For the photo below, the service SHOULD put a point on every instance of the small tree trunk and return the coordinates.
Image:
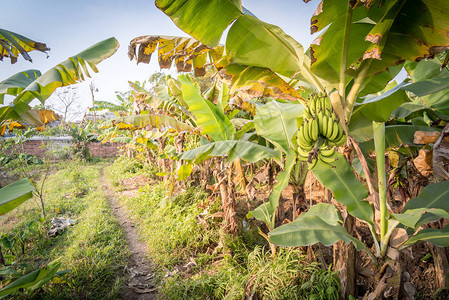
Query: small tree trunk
(280, 213)
(160, 161)
(441, 264)
(297, 196)
(228, 202)
(2, 259)
(344, 261)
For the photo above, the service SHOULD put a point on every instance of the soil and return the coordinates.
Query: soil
(140, 274)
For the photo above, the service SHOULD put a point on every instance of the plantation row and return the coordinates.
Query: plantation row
(260, 117)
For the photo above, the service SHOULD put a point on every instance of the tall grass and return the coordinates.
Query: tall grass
(176, 230)
(94, 249)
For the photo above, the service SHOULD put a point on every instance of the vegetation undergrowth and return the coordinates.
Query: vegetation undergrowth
(124, 167)
(94, 249)
(200, 261)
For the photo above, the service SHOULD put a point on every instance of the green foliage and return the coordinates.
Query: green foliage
(340, 179)
(124, 167)
(67, 72)
(175, 217)
(266, 212)
(94, 249)
(15, 194)
(276, 121)
(31, 281)
(285, 276)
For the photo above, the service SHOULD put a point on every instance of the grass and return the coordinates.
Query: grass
(226, 267)
(174, 219)
(94, 249)
(285, 276)
(124, 167)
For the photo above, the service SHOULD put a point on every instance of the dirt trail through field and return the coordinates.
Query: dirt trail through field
(139, 272)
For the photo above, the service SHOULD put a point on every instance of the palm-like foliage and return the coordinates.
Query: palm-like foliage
(13, 44)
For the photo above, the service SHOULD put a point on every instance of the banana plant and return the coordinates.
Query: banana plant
(359, 47)
(68, 72)
(15, 194)
(13, 44)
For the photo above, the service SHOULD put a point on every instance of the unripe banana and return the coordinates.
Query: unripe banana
(303, 152)
(328, 104)
(303, 143)
(325, 126)
(303, 158)
(341, 141)
(321, 123)
(327, 159)
(335, 129)
(315, 104)
(309, 131)
(313, 164)
(330, 127)
(340, 133)
(318, 104)
(314, 126)
(307, 114)
(327, 152)
(305, 133)
(310, 105)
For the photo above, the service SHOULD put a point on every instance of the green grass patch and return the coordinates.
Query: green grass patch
(124, 167)
(169, 225)
(176, 230)
(284, 276)
(94, 249)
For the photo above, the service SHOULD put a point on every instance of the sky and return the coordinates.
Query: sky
(68, 27)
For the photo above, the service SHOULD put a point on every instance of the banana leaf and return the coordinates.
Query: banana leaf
(11, 44)
(248, 151)
(15, 194)
(17, 83)
(439, 237)
(276, 122)
(267, 211)
(340, 179)
(68, 72)
(211, 119)
(205, 20)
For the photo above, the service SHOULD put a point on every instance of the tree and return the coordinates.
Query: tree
(67, 102)
(93, 89)
(361, 47)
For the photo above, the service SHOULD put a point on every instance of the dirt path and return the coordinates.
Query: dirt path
(139, 273)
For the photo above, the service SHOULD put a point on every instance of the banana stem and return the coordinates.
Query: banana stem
(376, 242)
(352, 96)
(316, 82)
(319, 142)
(344, 55)
(364, 164)
(379, 144)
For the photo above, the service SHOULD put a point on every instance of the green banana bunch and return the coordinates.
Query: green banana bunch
(320, 132)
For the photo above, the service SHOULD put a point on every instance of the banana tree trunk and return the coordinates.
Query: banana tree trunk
(179, 144)
(230, 223)
(441, 265)
(205, 173)
(160, 161)
(2, 259)
(344, 261)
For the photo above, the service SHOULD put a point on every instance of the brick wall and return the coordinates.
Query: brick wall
(105, 150)
(37, 148)
(40, 148)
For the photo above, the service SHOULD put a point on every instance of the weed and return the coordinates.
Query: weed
(174, 217)
(94, 249)
(124, 167)
(285, 276)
